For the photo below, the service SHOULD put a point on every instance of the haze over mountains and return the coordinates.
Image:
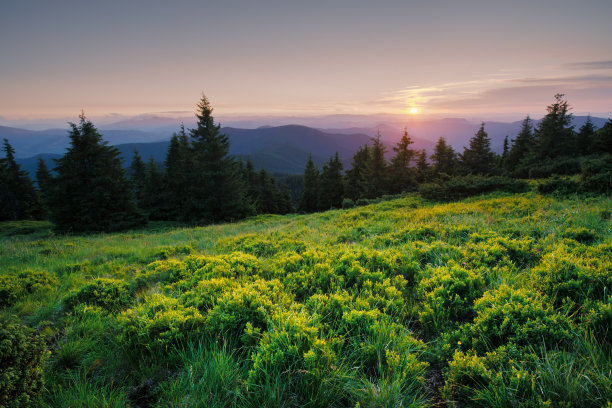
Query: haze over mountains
(279, 149)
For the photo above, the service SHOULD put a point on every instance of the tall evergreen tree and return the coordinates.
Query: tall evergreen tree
(332, 186)
(355, 176)
(138, 178)
(422, 168)
(178, 175)
(377, 170)
(252, 182)
(479, 158)
(401, 175)
(45, 183)
(19, 199)
(444, 159)
(554, 136)
(91, 192)
(218, 192)
(602, 142)
(521, 146)
(154, 197)
(584, 139)
(309, 200)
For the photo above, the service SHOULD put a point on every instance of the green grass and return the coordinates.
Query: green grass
(395, 304)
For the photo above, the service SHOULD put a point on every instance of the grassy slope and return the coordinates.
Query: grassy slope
(485, 243)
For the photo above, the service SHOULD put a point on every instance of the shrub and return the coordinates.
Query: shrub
(596, 175)
(259, 246)
(111, 295)
(165, 252)
(458, 188)
(515, 316)
(558, 185)
(204, 296)
(448, 295)
(16, 285)
(582, 235)
(159, 324)
(348, 203)
(22, 358)
(598, 320)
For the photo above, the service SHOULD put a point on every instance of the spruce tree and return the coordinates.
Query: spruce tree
(355, 176)
(422, 168)
(584, 139)
(521, 146)
(401, 177)
(377, 170)
(44, 180)
(91, 192)
(332, 187)
(479, 158)
(138, 178)
(602, 142)
(217, 193)
(309, 200)
(554, 136)
(252, 183)
(154, 196)
(19, 199)
(178, 176)
(444, 159)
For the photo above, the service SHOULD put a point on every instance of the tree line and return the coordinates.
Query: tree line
(551, 147)
(201, 183)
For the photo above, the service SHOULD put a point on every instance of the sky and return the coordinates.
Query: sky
(483, 59)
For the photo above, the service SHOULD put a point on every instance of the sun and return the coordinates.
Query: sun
(413, 111)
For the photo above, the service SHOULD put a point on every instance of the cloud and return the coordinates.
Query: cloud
(588, 65)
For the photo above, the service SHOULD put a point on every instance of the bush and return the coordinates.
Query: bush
(448, 295)
(257, 245)
(159, 324)
(596, 175)
(22, 358)
(16, 285)
(458, 188)
(558, 185)
(514, 316)
(348, 203)
(111, 295)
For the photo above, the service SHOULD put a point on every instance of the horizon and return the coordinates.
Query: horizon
(436, 60)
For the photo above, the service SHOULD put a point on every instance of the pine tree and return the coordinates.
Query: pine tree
(355, 176)
(332, 187)
(217, 193)
(252, 183)
(44, 180)
(91, 192)
(584, 140)
(444, 159)
(377, 170)
(138, 178)
(479, 158)
(603, 139)
(178, 176)
(521, 146)
(154, 196)
(309, 200)
(401, 177)
(19, 199)
(422, 168)
(554, 136)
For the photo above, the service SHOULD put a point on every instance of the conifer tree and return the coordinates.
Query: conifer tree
(332, 187)
(355, 176)
(178, 175)
(19, 199)
(444, 159)
(554, 136)
(521, 146)
(252, 182)
(45, 183)
(286, 202)
(422, 168)
(153, 193)
(91, 192)
(377, 170)
(479, 158)
(309, 200)
(603, 139)
(584, 139)
(138, 178)
(401, 177)
(217, 193)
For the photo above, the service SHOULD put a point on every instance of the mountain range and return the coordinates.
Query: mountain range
(279, 149)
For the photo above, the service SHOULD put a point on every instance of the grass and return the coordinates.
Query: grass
(343, 308)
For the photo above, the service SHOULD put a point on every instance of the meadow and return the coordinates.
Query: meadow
(501, 300)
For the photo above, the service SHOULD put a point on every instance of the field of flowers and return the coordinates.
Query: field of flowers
(496, 301)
